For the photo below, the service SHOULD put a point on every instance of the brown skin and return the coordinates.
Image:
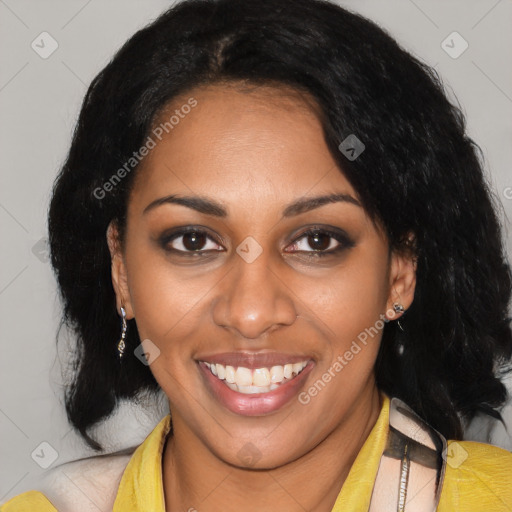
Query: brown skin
(256, 152)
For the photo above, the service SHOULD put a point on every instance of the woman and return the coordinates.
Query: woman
(271, 212)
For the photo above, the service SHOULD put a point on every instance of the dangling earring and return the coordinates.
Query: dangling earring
(121, 345)
(398, 308)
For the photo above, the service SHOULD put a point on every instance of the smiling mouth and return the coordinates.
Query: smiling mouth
(255, 381)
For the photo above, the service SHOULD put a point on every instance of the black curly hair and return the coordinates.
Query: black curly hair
(419, 173)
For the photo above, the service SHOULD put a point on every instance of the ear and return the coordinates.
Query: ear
(402, 278)
(118, 270)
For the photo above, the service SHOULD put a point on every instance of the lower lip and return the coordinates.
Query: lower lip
(255, 404)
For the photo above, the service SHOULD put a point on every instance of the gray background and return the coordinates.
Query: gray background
(39, 103)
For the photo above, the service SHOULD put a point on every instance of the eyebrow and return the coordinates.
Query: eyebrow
(212, 207)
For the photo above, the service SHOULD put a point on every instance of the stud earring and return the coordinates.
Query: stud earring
(121, 345)
(398, 308)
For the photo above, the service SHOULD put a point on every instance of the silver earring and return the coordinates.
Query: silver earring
(398, 308)
(121, 345)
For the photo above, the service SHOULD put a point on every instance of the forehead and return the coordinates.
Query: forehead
(239, 145)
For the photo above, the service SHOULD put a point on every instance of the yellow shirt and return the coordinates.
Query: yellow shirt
(481, 481)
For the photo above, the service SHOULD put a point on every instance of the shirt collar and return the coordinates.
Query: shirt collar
(141, 487)
(356, 493)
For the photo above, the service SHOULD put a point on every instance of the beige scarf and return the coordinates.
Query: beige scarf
(412, 467)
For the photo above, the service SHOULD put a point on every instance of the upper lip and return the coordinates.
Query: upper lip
(253, 360)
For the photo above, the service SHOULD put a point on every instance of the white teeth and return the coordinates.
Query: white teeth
(253, 390)
(230, 374)
(259, 380)
(221, 371)
(297, 367)
(243, 376)
(276, 374)
(232, 386)
(261, 377)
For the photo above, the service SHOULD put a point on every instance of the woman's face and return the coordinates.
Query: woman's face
(246, 290)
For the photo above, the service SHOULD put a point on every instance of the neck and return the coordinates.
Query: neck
(195, 479)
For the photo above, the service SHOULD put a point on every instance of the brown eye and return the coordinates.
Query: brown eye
(189, 242)
(194, 241)
(321, 242)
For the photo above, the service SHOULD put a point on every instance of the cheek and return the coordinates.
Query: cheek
(356, 295)
(352, 308)
(166, 304)
(167, 310)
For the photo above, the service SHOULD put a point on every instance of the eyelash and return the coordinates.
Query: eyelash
(344, 242)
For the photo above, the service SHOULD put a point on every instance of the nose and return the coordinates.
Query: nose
(253, 300)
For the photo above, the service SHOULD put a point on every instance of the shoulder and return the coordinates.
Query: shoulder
(84, 485)
(477, 475)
